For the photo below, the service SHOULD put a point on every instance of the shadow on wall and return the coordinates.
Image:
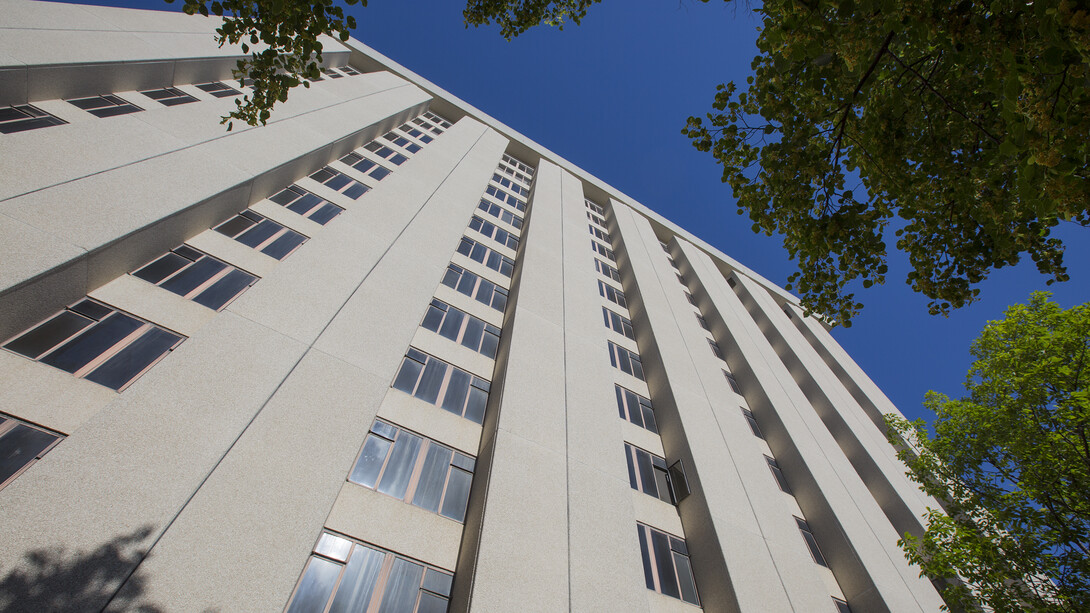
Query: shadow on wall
(57, 580)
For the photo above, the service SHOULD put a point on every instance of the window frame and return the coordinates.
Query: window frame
(466, 406)
(328, 550)
(208, 284)
(484, 346)
(618, 323)
(391, 433)
(8, 425)
(654, 563)
(612, 294)
(86, 309)
(619, 358)
(267, 244)
(33, 118)
(454, 276)
(627, 410)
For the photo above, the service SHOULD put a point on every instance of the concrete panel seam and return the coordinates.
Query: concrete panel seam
(225, 135)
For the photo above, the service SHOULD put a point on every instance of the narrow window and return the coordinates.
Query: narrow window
(666, 565)
(299, 200)
(96, 342)
(618, 323)
(106, 106)
(348, 70)
(21, 444)
(648, 473)
(690, 298)
(607, 270)
(778, 474)
(811, 542)
(25, 117)
(601, 249)
(841, 606)
(482, 290)
(636, 409)
(625, 360)
(340, 182)
(715, 349)
(415, 469)
(703, 322)
(218, 89)
(263, 234)
(346, 575)
(437, 382)
(462, 328)
(169, 96)
(733, 383)
(490, 258)
(197, 276)
(612, 294)
(752, 420)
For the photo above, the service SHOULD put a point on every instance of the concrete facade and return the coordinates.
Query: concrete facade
(224, 472)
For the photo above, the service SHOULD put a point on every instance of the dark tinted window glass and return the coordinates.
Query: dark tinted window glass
(645, 550)
(194, 276)
(685, 575)
(327, 212)
(223, 291)
(281, 247)
(260, 233)
(134, 358)
(162, 268)
(46, 336)
(89, 345)
(19, 447)
(91, 309)
(665, 564)
(232, 227)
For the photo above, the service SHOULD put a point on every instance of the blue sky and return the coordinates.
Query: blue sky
(612, 96)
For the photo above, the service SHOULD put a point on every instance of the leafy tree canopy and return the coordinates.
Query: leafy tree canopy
(966, 120)
(1011, 464)
(281, 37)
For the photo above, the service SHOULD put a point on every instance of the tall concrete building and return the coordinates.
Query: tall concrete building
(388, 354)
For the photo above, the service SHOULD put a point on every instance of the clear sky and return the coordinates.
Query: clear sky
(612, 96)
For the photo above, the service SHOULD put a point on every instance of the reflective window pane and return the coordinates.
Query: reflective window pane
(369, 464)
(315, 587)
(399, 468)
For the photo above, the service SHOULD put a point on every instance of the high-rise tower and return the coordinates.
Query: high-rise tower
(387, 354)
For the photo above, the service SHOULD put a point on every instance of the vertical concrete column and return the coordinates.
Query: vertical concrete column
(605, 568)
(855, 537)
(726, 520)
(517, 543)
(870, 397)
(861, 440)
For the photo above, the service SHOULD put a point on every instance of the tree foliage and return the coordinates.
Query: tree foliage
(1011, 464)
(282, 38)
(966, 120)
(516, 16)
